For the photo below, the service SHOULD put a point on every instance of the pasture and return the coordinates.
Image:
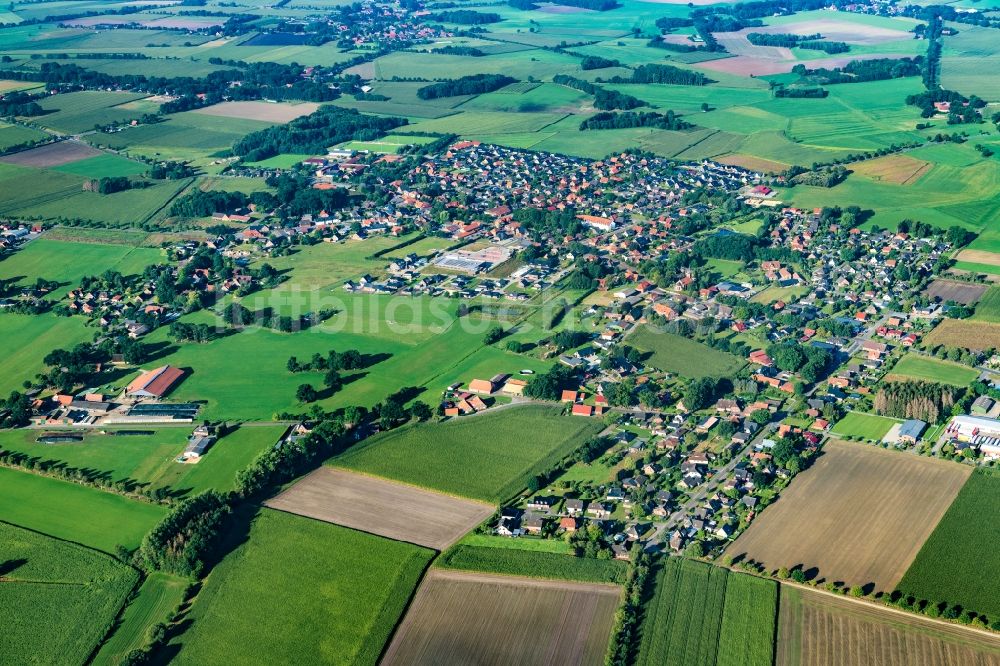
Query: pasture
(386, 508)
(489, 457)
(76, 112)
(913, 366)
(818, 629)
(28, 339)
(12, 135)
(339, 592)
(76, 513)
(947, 568)
(858, 515)
(104, 165)
(866, 426)
(531, 561)
(676, 354)
(57, 599)
(969, 334)
(525, 621)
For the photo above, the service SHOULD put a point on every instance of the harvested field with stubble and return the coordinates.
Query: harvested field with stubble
(818, 629)
(952, 290)
(268, 112)
(965, 333)
(895, 169)
(466, 618)
(379, 506)
(752, 163)
(979, 257)
(857, 516)
(52, 154)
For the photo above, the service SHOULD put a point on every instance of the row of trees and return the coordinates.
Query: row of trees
(474, 84)
(608, 120)
(926, 401)
(656, 73)
(606, 100)
(858, 71)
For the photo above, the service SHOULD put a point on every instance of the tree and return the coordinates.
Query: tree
(332, 380)
(420, 410)
(760, 416)
(699, 393)
(493, 335)
(695, 549)
(306, 393)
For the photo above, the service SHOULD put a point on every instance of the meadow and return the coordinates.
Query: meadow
(673, 353)
(75, 112)
(489, 457)
(928, 369)
(857, 516)
(28, 339)
(156, 600)
(76, 513)
(948, 566)
(12, 135)
(866, 426)
(58, 599)
(340, 593)
(514, 561)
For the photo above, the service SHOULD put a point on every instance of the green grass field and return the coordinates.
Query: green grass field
(673, 353)
(949, 565)
(11, 135)
(928, 369)
(157, 599)
(988, 307)
(748, 621)
(58, 599)
(65, 510)
(300, 590)
(533, 564)
(150, 460)
(27, 340)
(76, 112)
(104, 166)
(489, 457)
(868, 426)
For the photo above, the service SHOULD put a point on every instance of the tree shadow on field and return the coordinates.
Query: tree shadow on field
(11, 565)
(237, 534)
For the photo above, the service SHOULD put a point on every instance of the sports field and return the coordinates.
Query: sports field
(57, 599)
(488, 457)
(817, 629)
(867, 426)
(378, 506)
(672, 353)
(929, 369)
(300, 590)
(947, 568)
(76, 513)
(858, 515)
(504, 620)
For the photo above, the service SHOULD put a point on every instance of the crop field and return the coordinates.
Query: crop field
(504, 620)
(101, 166)
(673, 353)
(948, 567)
(52, 155)
(76, 513)
(57, 599)
(511, 560)
(868, 426)
(965, 333)
(76, 112)
(928, 369)
(749, 617)
(385, 508)
(988, 307)
(896, 169)
(985, 257)
(818, 629)
(155, 601)
(964, 293)
(858, 515)
(339, 593)
(267, 112)
(683, 619)
(12, 135)
(488, 457)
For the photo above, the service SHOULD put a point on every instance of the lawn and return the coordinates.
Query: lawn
(867, 426)
(302, 591)
(73, 512)
(928, 369)
(489, 457)
(58, 599)
(673, 353)
(949, 566)
(150, 460)
(532, 563)
(160, 595)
